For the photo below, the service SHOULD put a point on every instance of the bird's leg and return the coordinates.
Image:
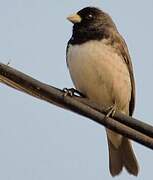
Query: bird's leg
(71, 92)
(110, 111)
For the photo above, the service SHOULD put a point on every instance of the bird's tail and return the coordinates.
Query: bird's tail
(123, 156)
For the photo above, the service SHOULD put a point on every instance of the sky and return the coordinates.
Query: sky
(39, 141)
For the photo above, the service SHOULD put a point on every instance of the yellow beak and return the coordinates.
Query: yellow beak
(74, 18)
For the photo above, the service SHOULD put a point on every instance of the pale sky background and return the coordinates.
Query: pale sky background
(39, 141)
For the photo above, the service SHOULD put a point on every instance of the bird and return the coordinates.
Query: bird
(101, 69)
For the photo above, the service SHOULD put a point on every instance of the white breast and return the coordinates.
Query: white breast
(100, 73)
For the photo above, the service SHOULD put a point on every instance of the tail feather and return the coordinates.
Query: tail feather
(115, 160)
(128, 156)
(123, 156)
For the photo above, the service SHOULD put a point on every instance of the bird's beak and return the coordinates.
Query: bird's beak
(74, 18)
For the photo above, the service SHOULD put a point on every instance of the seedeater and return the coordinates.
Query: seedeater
(100, 67)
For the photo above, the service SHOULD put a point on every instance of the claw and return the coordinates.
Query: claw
(68, 92)
(110, 111)
(71, 92)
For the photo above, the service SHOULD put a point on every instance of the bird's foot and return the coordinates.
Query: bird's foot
(71, 92)
(110, 111)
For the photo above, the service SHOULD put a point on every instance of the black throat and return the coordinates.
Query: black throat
(81, 35)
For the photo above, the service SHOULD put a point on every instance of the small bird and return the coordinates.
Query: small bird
(100, 67)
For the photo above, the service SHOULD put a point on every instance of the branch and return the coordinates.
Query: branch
(120, 123)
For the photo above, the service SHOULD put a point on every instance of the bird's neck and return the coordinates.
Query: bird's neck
(82, 35)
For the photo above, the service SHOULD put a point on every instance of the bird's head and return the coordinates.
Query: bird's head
(91, 16)
(90, 22)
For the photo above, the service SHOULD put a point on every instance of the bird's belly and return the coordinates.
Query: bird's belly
(100, 73)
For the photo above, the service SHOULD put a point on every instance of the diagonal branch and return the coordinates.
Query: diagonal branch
(120, 123)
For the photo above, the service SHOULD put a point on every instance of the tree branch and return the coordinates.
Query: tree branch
(120, 123)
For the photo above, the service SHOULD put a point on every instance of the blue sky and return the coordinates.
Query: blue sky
(39, 141)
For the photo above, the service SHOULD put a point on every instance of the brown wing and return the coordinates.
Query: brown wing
(122, 49)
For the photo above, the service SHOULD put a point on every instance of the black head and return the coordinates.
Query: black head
(90, 23)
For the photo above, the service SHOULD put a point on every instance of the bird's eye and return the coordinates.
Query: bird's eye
(90, 16)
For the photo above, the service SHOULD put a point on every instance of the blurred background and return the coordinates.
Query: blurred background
(39, 141)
